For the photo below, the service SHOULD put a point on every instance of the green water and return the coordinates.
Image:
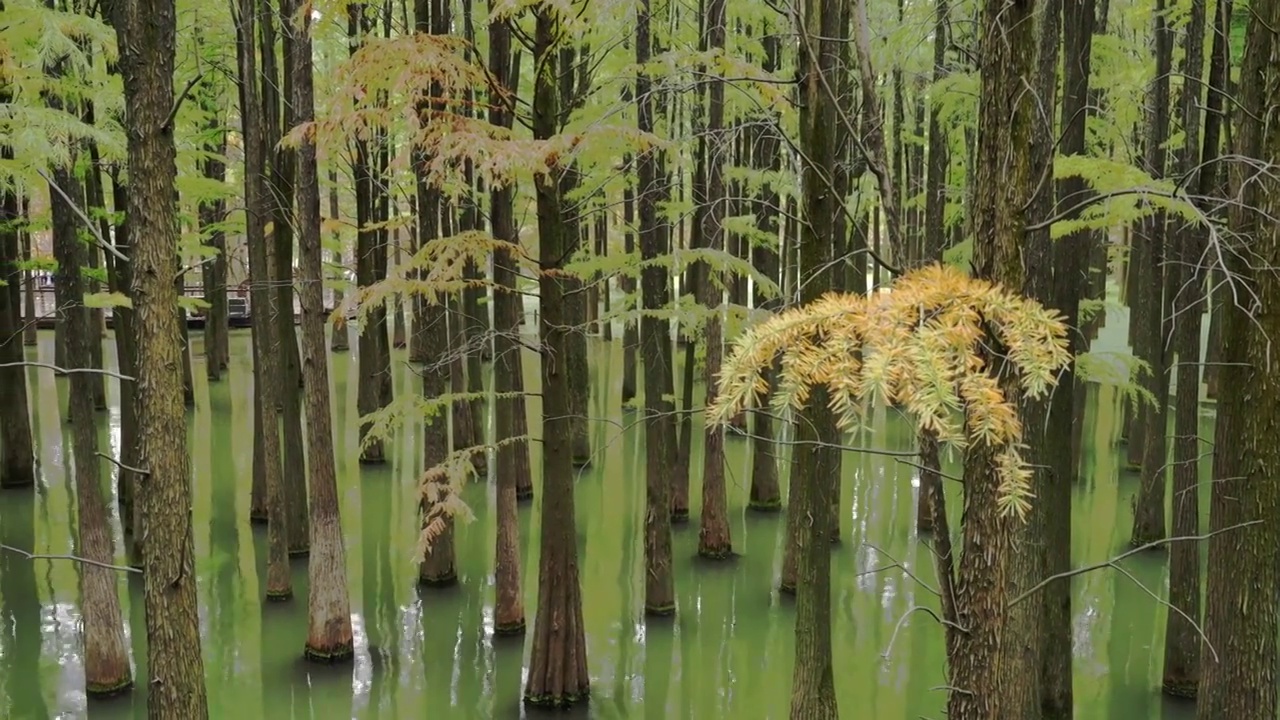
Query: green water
(430, 652)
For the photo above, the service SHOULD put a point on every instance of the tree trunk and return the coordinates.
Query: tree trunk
(30, 335)
(628, 284)
(439, 566)
(508, 374)
(121, 278)
(1004, 186)
(655, 340)
(17, 457)
(106, 657)
(932, 242)
(713, 536)
(329, 635)
(216, 342)
(557, 674)
(374, 353)
(266, 351)
(1182, 639)
(290, 373)
(340, 341)
(816, 459)
(1240, 613)
(146, 31)
(765, 493)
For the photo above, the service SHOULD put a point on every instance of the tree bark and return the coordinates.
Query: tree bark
(765, 493)
(1240, 613)
(816, 460)
(1004, 186)
(655, 347)
(146, 32)
(17, 456)
(216, 329)
(714, 541)
(508, 375)
(557, 674)
(374, 392)
(1182, 639)
(329, 634)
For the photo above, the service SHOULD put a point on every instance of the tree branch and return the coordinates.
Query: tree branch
(88, 223)
(121, 465)
(67, 371)
(73, 558)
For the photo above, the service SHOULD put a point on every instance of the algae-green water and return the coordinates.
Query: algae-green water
(431, 653)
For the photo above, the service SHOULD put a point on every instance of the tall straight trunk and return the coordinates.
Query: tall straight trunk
(655, 347)
(216, 329)
(932, 241)
(373, 392)
(188, 380)
(1005, 184)
(96, 203)
(279, 108)
(329, 634)
(557, 674)
(512, 426)
(146, 32)
(628, 285)
(1182, 640)
(1069, 270)
(713, 536)
(339, 341)
(1153, 317)
(815, 464)
(121, 278)
(106, 657)
(399, 333)
(765, 493)
(17, 457)
(279, 584)
(1241, 618)
(30, 315)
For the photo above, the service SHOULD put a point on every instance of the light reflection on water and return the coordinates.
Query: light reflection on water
(726, 654)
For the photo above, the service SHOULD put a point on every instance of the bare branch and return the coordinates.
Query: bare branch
(72, 558)
(67, 371)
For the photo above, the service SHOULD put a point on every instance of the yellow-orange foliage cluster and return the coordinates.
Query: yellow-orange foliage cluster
(935, 345)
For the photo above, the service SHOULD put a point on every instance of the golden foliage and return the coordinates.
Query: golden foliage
(922, 346)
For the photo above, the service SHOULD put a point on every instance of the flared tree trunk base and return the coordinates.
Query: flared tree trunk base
(109, 689)
(1186, 688)
(327, 656)
(765, 506)
(279, 596)
(510, 629)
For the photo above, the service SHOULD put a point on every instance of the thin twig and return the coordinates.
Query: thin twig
(73, 558)
(67, 371)
(93, 228)
(903, 621)
(121, 465)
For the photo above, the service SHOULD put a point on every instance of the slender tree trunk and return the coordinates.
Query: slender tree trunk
(30, 329)
(279, 584)
(216, 328)
(931, 244)
(339, 342)
(106, 657)
(329, 635)
(1005, 183)
(765, 493)
(1239, 660)
(815, 465)
(512, 425)
(282, 191)
(557, 674)
(146, 30)
(1182, 639)
(374, 360)
(17, 457)
(713, 535)
(655, 347)
(121, 277)
(628, 285)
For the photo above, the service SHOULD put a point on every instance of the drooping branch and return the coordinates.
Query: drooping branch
(72, 558)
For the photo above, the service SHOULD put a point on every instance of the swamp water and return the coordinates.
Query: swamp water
(728, 653)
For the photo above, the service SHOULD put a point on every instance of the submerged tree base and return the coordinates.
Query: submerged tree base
(329, 657)
(514, 629)
(258, 518)
(1182, 688)
(765, 506)
(524, 495)
(717, 554)
(659, 611)
(448, 579)
(556, 701)
(102, 691)
(300, 553)
(279, 596)
(680, 516)
(787, 588)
